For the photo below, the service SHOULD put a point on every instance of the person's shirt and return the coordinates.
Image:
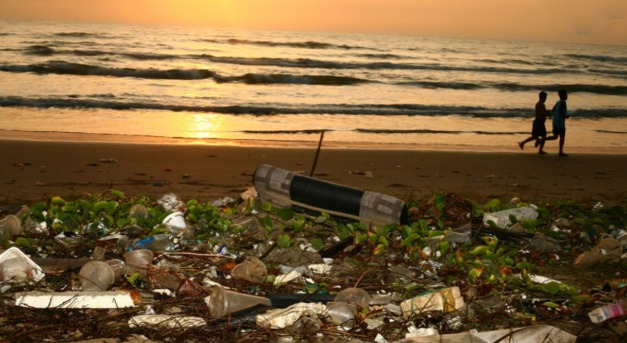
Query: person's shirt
(559, 114)
(541, 111)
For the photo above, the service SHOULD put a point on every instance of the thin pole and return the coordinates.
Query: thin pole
(317, 153)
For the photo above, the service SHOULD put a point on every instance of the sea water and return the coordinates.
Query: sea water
(207, 85)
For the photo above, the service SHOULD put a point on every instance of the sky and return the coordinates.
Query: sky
(575, 21)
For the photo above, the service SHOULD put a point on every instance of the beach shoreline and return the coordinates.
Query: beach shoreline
(34, 168)
(45, 136)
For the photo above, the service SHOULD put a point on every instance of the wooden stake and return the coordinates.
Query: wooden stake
(317, 153)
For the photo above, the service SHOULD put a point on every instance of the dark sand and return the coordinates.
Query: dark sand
(34, 170)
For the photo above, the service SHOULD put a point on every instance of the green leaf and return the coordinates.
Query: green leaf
(118, 194)
(317, 243)
(285, 213)
(284, 241)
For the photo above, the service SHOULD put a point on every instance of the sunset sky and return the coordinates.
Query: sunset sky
(581, 21)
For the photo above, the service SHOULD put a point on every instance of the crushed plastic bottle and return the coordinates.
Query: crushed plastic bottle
(502, 218)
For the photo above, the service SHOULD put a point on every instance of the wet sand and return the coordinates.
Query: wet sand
(32, 170)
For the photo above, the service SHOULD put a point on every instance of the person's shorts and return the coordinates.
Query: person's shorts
(538, 129)
(559, 131)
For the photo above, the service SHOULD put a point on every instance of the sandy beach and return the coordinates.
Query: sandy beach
(32, 170)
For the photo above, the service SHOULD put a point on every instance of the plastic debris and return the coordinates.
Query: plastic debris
(171, 202)
(10, 226)
(608, 250)
(530, 334)
(252, 269)
(445, 300)
(502, 218)
(603, 313)
(164, 321)
(94, 300)
(15, 266)
(282, 318)
(223, 302)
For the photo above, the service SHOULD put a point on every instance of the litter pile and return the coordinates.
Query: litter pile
(287, 263)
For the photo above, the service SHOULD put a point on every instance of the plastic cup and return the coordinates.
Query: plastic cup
(341, 313)
(175, 222)
(137, 261)
(354, 295)
(99, 253)
(252, 269)
(223, 302)
(138, 211)
(118, 266)
(96, 276)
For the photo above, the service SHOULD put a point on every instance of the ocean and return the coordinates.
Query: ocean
(212, 86)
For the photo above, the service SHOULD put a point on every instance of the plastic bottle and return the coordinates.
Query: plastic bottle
(606, 312)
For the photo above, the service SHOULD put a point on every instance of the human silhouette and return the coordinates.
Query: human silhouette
(560, 114)
(538, 128)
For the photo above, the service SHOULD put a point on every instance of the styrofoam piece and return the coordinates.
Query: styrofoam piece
(529, 334)
(320, 268)
(17, 266)
(164, 321)
(284, 317)
(111, 299)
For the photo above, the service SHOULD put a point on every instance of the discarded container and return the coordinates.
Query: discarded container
(601, 314)
(545, 244)
(341, 313)
(223, 302)
(118, 267)
(175, 223)
(310, 195)
(96, 276)
(460, 234)
(354, 295)
(10, 226)
(158, 243)
(165, 321)
(138, 211)
(117, 299)
(445, 300)
(137, 261)
(502, 218)
(252, 269)
(15, 266)
(608, 250)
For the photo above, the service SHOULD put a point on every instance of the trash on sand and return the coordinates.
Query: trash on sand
(459, 234)
(96, 276)
(15, 266)
(446, 300)
(251, 269)
(608, 250)
(137, 261)
(545, 244)
(10, 226)
(286, 189)
(601, 314)
(355, 296)
(502, 218)
(110, 299)
(282, 318)
(165, 321)
(529, 334)
(222, 302)
(341, 313)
